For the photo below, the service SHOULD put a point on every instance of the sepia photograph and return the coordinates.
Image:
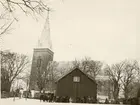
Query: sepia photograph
(77, 52)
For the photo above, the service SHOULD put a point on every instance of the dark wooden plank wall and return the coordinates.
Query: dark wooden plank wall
(86, 86)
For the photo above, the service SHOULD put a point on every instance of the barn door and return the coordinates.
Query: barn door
(76, 81)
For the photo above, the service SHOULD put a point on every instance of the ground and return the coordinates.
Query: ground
(23, 101)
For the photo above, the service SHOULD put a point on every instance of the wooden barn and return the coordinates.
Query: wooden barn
(75, 84)
(138, 96)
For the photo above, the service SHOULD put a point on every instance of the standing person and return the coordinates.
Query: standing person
(70, 100)
(20, 93)
(106, 101)
(26, 94)
(14, 95)
(29, 94)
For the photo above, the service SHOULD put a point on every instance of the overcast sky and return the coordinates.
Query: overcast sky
(106, 30)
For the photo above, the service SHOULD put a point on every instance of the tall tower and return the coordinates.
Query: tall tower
(42, 54)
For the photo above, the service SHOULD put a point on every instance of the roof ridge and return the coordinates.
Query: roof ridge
(65, 74)
(89, 76)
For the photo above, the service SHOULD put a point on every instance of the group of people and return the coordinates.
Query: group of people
(130, 101)
(21, 93)
(86, 99)
(66, 99)
(48, 97)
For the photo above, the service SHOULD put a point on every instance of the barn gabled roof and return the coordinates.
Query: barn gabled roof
(90, 77)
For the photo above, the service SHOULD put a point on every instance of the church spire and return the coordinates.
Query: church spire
(45, 39)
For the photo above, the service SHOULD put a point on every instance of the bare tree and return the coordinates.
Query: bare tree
(6, 23)
(12, 65)
(52, 75)
(76, 64)
(62, 71)
(5, 28)
(85, 64)
(137, 67)
(47, 77)
(115, 73)
(129, 77)
(25, 76)
(52, 70)
(89, 66)
(28, 7)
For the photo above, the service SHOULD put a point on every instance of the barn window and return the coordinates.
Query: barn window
(76, 79)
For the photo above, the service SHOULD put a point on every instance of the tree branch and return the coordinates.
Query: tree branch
(6, 29)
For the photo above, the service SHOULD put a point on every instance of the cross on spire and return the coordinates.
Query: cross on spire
(45, 39)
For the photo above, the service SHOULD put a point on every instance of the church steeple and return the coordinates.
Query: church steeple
(42, 54)
(45, 39)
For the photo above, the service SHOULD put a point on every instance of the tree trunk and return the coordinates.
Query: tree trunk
(126, 93)
(8, 87)
(116, 92)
